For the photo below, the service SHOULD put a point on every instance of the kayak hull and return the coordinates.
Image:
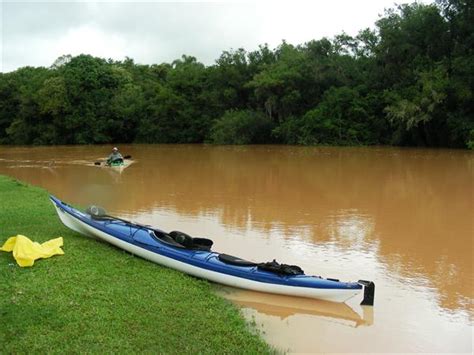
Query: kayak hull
(119, 167)
(203, 264)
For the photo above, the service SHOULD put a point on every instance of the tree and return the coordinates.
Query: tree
(277, 86)
(342, 118)
(241, 127)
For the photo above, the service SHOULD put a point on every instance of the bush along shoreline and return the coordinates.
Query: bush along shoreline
(406, 82)
(96, 298)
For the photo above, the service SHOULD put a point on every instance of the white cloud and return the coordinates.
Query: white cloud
(89, 39)
(36, 33)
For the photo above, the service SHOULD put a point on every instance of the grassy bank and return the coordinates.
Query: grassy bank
(97, 298)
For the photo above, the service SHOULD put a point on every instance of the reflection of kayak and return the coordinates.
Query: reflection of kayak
(283, 306)
(193, 256)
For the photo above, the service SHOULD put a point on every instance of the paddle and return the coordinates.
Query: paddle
(125, 157)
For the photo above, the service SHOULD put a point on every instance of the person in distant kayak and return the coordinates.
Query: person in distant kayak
(114, 157)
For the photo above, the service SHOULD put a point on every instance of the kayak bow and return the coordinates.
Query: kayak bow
(193, 256)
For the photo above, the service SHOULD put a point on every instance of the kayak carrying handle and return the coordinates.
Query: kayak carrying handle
(369, 292)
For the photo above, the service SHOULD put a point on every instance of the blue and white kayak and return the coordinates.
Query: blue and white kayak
(194, 256)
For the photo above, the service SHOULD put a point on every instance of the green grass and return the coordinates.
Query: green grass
(97, 298)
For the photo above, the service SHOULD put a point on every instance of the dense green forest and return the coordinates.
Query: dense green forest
(408, 81)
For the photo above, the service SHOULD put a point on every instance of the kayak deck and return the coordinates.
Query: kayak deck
(150, 244)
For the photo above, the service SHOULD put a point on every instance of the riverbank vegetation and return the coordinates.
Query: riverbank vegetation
(96, 298)
(407, 81)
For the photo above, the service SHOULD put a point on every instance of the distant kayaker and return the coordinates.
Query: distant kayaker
(115, 156)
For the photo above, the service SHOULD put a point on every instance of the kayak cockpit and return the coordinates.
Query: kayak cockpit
(182, 240)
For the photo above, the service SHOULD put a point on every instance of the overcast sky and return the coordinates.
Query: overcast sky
(36, 33)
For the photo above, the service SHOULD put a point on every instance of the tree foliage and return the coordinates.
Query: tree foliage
(408, 81)
(241, 127)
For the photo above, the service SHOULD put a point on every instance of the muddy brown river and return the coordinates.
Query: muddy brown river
(400, 217)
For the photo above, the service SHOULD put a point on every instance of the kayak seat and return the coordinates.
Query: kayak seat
(189, 242)
(233, 260)
(165, 238)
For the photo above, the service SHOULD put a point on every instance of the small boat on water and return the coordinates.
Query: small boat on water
(194, 256)
(117, 165)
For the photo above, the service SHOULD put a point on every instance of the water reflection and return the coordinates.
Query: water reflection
(283, 307)
(402, 217)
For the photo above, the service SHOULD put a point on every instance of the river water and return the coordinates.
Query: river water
(400, 217)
